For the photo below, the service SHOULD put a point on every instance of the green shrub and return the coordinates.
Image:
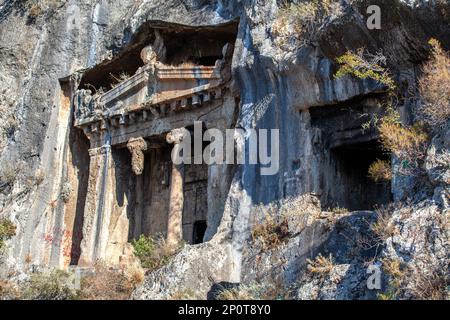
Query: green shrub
(7, 231)
(364, 65)
(153, 252)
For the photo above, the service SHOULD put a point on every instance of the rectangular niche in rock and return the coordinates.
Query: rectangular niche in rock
(345, 152)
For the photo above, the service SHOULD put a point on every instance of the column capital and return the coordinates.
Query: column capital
(137, 146)
(99, 151)
(177, 135)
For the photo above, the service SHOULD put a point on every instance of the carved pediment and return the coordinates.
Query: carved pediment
(155, 87)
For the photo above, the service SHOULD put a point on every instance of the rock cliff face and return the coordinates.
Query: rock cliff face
(275, 81)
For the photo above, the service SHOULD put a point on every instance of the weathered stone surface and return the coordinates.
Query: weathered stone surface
(137, 147)
(195, 269)
(438, 158)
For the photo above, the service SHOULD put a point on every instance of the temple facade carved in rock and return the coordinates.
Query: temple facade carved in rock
(133, 188)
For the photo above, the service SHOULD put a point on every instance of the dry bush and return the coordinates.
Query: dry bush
(339, 211)
(39, 176)
(298, 23)
(434, 86)
(363, 65)
(28, 258)
(320, 265)
(424, 278)
(272, 231)
(431, 285)
(393, 267)
(407, 143)
(243, 292)
(118, 79)
(384, 227)
(134, 274)
(8, 290)
(35, 10)
(54, 285)
(184, 295)
(8, 173)
(380, 171)
(300, 211)
(105, 284)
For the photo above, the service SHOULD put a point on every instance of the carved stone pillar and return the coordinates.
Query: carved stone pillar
(175, 220)
(97, 208)
(137, 146)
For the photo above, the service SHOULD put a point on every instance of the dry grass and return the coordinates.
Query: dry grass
(105, 284)
(434, 86)
(380, 171)
(35, 10)
(8, 290)
(117, 79)
(339, 211)
(241, 293)
(135, 275)
(384, 227)
(424, 278)
(184, 295)
(393, 267)
(320, 265)
(8, 173)
(429, 284)
(28, 258)
(54, 285)
(278, 221)
(39, 176)
(272, 231)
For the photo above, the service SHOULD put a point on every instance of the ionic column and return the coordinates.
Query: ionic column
(137, 146)
(97, 207)
(175, 220)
